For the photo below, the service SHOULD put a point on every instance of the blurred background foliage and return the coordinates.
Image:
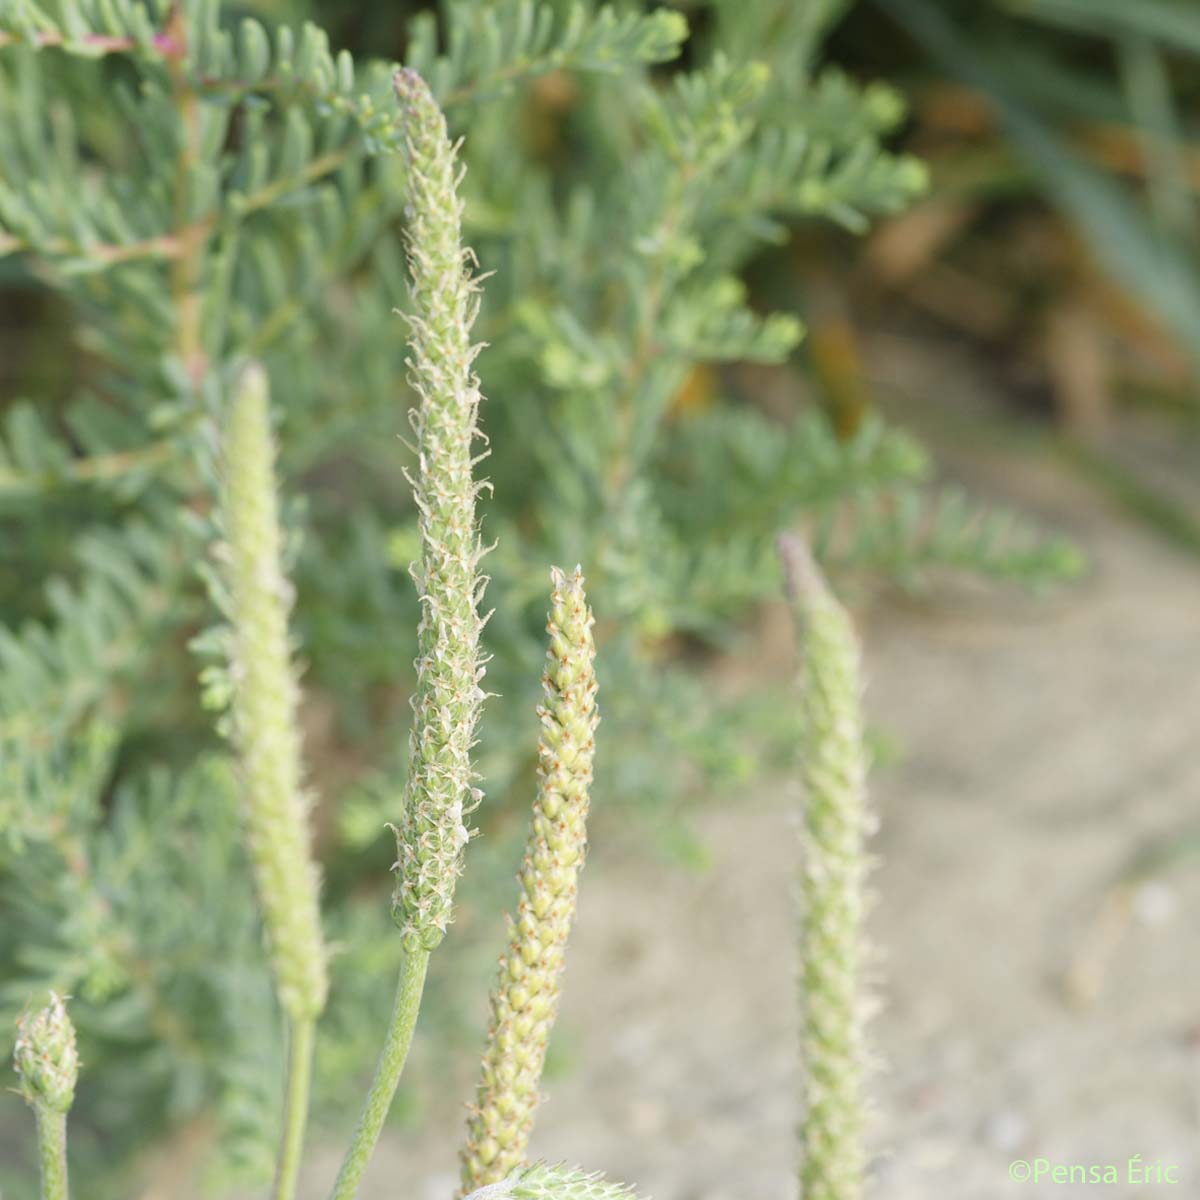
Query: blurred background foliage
(1059, 239)
(663, 214)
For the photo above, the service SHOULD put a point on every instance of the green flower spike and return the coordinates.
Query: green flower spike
(266, 729)
(446, 704)
(47, 1066)
(265, 702)
(448, 696)
(832, 887)
(525, 998)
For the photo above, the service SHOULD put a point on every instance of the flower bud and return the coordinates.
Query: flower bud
(45, 1057)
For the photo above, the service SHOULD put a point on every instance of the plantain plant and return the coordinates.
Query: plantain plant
(212, 207)
(259, 681)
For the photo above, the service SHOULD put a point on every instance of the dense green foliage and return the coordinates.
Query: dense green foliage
(180, 189)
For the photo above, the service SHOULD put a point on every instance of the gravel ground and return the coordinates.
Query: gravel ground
(1029, 1010)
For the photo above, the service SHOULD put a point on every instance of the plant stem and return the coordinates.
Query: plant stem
(52, 1149)
(295, 1112)
(387, 1073)
(187, 265)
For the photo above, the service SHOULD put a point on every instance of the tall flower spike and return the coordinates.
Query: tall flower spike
(265, 701)
(448, 695)
(440, 791)
(832, 887)
(47, 1066)
(525, 998)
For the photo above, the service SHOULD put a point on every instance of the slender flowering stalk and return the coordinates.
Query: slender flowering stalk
(525, 998)
(265, 726)
(47, 1066)
(832, 887)
(448, 697)
(265, 703)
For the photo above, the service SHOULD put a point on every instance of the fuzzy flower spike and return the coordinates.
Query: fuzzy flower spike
(448, 697)
(525, 998)
(266, 700)
(47, 1066)
(832, 887)
(266, 728)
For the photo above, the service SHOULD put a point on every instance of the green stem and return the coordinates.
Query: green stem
(295, 1113)
(387, 1074)
(52, 1148)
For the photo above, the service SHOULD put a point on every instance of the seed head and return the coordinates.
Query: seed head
(265, 704)
(448, 697)
(524, 1000)
(832, 887)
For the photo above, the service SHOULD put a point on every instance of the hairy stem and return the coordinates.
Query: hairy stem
(52, 1152)
(387, 1074)
(301, 1037)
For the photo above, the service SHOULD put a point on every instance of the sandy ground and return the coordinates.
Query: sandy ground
(1044, 745)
